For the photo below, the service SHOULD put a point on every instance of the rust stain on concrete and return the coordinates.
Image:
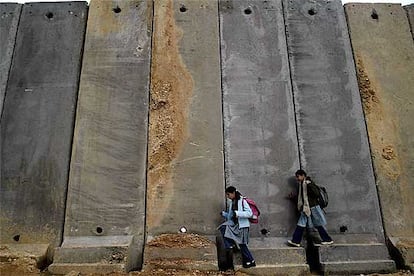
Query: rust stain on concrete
(171, 90)
(382, 128)
(383, 133)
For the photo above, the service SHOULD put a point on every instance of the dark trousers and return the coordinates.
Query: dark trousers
(229, 243)
(297, 235)
(246, 255)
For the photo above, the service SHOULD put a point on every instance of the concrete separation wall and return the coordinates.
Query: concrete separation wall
(37, 121)
(106, 196)
(410, 13)
(185, 173)
(261, 148)
(386, 83)
(332, 135)
(9, 19)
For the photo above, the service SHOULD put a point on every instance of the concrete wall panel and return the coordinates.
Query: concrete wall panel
(261, 147)
(9, 18)
(384, 54)
(37, 121)
(410, 13)
(106, 195)
(185, 176)
(333, 140)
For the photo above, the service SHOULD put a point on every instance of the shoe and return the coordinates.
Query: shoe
(291, 243)
(249, 264)
(327, 242)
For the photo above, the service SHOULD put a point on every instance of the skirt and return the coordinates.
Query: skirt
(316, 219)
(233, 232)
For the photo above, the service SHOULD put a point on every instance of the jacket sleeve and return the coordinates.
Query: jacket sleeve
(247, 211)
(227, 215)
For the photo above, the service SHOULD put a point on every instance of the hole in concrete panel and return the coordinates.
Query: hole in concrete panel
(99, 230)
(374, 15)
(183, 8)
(343, 228)
(49, 15)
(16, 238)
(117, 9)
(248, 11)
(264, 231)
(312, 11)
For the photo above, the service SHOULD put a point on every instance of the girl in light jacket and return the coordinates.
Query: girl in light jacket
(236, 227)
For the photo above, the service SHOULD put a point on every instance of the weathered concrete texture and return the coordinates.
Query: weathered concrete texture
(9, 20)
(352, 253)
(114, 253)
(331, 127)
(37, 121)
(357, 267)
(185, 174)
(261, 146)
(106, 194)
(275, 270)
(384, 53)
(410, 14)
(275, 257)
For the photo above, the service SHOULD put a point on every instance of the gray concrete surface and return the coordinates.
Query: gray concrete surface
(410, 14)
(107, 178)
(333, 140)
(37, 122)
(356, 252)
(9, 18)
(106, 194)
(386, 83)
(261, 148)
(357, 267)
(185, 178)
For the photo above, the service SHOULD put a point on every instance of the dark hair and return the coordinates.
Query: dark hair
(300, 172)
(232, 189)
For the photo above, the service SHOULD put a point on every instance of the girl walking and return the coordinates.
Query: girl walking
(311, 214)
(235, 230)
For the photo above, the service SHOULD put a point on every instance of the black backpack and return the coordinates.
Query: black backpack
(323, 198)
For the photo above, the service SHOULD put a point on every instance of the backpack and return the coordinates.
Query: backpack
(323, 198)
(256, 212)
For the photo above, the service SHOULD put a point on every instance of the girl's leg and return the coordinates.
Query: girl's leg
(297, 235)
(246, 254)
(248, 260)
(324, 235)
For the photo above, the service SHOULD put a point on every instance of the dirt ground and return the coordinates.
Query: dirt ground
(180, 241)
(7, 270)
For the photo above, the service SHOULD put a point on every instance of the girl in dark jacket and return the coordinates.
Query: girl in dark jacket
(311, 214)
